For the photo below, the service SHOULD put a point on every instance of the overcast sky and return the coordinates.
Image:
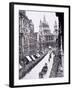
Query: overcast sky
(37, 16)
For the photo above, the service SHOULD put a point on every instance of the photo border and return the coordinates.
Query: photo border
(11, 43)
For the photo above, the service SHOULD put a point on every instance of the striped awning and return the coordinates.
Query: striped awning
(28, 57)
(38, 55)
(33, 57)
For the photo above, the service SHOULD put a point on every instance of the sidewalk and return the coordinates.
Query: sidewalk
(57, 68)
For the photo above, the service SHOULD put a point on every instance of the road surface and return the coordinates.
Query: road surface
(34, 73)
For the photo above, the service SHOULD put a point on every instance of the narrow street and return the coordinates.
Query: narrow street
(34, 73)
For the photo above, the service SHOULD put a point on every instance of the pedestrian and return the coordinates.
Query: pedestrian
(49, 57)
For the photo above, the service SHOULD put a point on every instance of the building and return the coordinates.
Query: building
(46, 38)
(56, 30)
(27, 37)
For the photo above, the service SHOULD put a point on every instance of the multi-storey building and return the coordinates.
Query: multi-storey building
(27, 37)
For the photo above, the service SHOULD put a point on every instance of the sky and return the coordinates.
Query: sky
(37, 16)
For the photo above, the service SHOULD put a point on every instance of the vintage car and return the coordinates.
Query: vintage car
(43, 71)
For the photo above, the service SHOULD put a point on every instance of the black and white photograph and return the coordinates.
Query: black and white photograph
(41, 44)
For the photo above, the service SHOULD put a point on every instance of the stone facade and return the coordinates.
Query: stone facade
(46, 38)
(27, 37)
